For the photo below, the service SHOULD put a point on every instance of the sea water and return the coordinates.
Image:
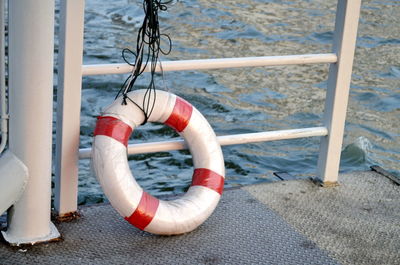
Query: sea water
(248, 100)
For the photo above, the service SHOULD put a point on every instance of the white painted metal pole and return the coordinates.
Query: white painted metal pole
(204, 64)
(346, 25)
(179, 144)
(68, 105)
(13, 179)
(31, 45)
(3, 106)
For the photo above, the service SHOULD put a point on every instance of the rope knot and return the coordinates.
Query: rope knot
(147, 51)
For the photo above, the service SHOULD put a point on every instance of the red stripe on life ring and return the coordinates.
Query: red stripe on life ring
(180, 115)
(114, 128)
(144, 212)
(208, 178)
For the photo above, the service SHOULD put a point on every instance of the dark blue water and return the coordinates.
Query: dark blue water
(251, 99)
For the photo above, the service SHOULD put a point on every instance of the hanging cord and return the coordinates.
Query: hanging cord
(148, 48)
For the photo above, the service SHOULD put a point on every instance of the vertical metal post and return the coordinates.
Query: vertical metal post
(3, 106)
(31, 45)
(69, 105)
(345, 35)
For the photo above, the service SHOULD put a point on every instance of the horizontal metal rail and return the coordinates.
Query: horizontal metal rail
(179, 144)
(204, 64)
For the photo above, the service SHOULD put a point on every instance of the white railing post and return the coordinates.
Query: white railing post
(68, 105)
(3, 95)
(344, 41)
(31, 45)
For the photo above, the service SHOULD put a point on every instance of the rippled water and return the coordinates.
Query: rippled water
(251, 99)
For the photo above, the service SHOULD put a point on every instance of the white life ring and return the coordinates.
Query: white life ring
(110, 163)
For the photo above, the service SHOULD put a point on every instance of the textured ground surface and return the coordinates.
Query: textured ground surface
(293, 222)
(357, 222)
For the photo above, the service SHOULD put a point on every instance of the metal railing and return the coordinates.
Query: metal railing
(71, 71)
(207, 64)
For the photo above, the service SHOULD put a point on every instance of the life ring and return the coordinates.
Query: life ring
(110, 163)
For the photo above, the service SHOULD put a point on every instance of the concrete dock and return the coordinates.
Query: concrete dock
(286, 222)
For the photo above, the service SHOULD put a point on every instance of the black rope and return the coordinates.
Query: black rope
(148, 48)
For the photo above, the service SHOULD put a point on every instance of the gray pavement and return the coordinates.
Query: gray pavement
(291, 222)
(357, 222)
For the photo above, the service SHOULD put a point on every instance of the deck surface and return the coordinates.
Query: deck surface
(288, 222)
